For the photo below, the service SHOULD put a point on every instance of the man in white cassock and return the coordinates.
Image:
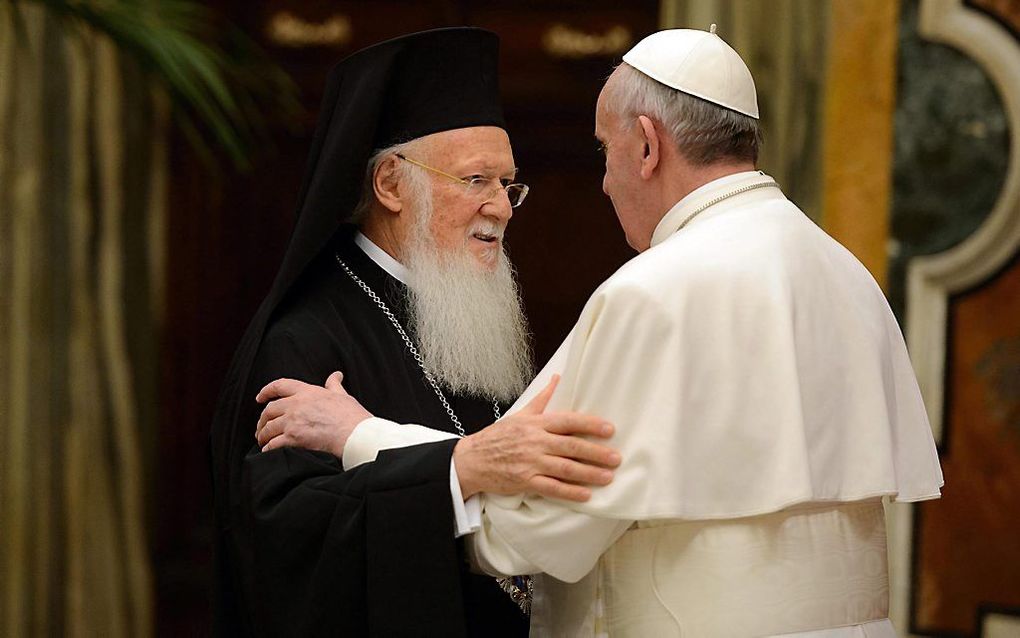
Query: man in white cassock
(762, 395)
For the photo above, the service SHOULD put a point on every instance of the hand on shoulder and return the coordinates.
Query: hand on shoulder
(538, 453)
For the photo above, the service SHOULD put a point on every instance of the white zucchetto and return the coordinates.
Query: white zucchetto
(698, 63)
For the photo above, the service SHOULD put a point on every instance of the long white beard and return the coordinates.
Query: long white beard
(468, 322)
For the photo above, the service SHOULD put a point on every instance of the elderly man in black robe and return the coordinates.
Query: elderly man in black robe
(396, 275)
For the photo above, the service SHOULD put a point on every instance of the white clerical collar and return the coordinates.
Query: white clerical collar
(700, 196)
(382, 258)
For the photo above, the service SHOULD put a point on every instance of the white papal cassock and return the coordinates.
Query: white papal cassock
(764, 405)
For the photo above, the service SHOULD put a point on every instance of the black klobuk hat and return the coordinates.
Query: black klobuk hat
(389, 93)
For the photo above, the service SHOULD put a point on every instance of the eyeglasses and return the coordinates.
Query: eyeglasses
(481, 188)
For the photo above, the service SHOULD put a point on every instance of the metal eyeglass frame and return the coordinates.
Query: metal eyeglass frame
(476, 184)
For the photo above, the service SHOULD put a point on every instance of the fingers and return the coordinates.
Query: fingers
(271, 430)
(278, 389)
(584, 451)
(335, 381)
(572, 471)
(272, 410)
(537, 405)
(552, 488)
(277, 442)
(574, 423)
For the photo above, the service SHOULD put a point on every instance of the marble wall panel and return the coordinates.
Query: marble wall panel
(951, 149)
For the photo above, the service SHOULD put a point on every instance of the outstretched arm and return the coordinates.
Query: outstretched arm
(524, 452)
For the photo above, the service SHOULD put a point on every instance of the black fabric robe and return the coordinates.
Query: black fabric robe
(310, 550)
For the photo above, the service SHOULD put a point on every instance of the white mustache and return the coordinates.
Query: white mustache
(489, 229)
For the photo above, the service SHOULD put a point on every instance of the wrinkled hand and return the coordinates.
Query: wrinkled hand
(309, 416)
(538, 453)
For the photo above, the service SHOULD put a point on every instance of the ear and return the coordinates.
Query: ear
(385, 181)
(650, 157)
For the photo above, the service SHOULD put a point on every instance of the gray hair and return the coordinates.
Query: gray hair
(704, 132)
(420, 186)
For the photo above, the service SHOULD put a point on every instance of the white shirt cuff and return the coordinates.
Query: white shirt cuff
(467, 515)
(375, 434)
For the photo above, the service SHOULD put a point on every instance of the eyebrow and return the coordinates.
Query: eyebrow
(484, 167)
(489, 167)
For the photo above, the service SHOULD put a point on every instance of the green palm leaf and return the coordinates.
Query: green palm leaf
(213, 91)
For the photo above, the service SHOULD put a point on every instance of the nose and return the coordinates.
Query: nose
(605, 187)
(498, 206)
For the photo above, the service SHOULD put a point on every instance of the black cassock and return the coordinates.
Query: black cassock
(308, 549)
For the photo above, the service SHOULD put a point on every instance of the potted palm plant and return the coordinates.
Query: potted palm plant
(222, 87)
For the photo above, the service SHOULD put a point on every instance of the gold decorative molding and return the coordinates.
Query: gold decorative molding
(564, 41)
(288, 30)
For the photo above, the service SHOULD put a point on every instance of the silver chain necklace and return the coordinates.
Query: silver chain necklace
(723, 197)
(519, 588)
(412, 349)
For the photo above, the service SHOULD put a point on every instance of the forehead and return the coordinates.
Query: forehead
(475, 147)
(604, 117)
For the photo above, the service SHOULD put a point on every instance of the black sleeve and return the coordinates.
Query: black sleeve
(324, 552)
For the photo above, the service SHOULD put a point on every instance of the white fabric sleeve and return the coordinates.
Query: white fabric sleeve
(467, 515)
(540, 535)
(375, 434)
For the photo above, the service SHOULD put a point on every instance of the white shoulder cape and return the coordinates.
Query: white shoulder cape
(749, 363)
